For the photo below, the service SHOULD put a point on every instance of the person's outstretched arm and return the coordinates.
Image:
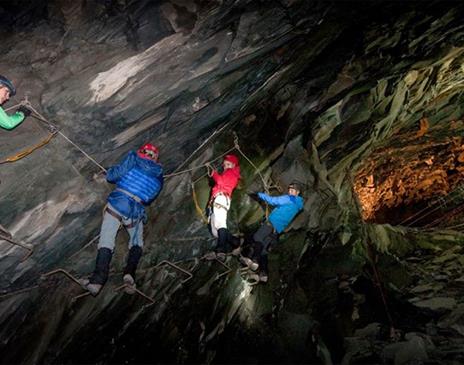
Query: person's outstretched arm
(117, 171)
(10, 121)
(275, 200)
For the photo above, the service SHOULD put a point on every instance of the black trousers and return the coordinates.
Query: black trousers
(226, 241)
(264, 238)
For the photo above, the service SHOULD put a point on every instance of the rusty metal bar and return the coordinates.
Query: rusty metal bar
(64, 272)
(19, 291)
(228, 269)
(137, 291)
(84, 247)
(20, 244)
(174, 266)
(85, 294)
(70, 277)
(195, 259)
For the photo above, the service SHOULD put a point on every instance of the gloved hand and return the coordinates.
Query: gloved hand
(25, 110)
(254, 196)
(209, 169)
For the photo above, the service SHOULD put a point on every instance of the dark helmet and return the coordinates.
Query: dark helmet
(296, 185)
(8, 84)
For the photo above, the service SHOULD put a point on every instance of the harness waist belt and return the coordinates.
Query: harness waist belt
(130, 195)
(221, 193)
(267, 223)
(219, 205)
(119, 218)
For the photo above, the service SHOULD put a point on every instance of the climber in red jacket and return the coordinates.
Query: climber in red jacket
(221, 195)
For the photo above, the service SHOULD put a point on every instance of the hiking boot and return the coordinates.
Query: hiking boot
(130, 284)
(236, 251)
(92, 288)
(210, 256)
(221, 256)
(263, 277)
(253, 266)
(252, 279)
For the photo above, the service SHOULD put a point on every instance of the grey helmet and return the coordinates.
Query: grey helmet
(8, 84)
(296, 185)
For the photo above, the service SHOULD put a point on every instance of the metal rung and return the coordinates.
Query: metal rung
(137, 291)
(85, 294)
(19, 291)
(20, 244)
(174, 266)
(64, 272)
(195, 259)
(225, 272)
(70, 277)
(247, 275)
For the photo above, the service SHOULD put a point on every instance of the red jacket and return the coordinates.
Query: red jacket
(226, 182)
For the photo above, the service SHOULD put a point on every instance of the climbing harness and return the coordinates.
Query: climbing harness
(54, 131)
(116, 215)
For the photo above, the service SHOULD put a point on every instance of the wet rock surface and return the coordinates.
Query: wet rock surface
(312, 89)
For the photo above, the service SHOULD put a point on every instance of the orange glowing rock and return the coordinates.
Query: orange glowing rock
(424, 127)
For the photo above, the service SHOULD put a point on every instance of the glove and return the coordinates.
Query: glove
(209, 169)
(25, 110)
(254, 196)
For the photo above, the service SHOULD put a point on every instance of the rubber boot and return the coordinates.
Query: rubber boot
(135, 253)
(100, 275)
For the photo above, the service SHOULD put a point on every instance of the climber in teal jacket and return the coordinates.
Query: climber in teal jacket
(286, 208)
(6, 91)
(139, 180)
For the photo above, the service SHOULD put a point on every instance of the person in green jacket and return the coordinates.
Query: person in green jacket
(10, 121)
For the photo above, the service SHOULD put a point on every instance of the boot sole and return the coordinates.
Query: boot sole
(130, 285)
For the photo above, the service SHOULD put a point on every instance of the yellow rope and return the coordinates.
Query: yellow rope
(29, 150)
(197, 205)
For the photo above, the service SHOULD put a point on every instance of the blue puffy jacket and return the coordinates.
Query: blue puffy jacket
(287, 207)
(140, 177)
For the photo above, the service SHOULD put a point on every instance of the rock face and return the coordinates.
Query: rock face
(312, 90)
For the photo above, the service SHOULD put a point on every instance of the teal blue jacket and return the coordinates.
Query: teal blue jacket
(287, 207)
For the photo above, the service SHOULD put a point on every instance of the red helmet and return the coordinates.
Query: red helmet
(148, 151)
(231, 158)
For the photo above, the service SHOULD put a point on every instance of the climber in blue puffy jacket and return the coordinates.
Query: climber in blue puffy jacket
(286, 208)
(139, 180)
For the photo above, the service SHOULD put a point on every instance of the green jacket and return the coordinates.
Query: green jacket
(10, 121)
